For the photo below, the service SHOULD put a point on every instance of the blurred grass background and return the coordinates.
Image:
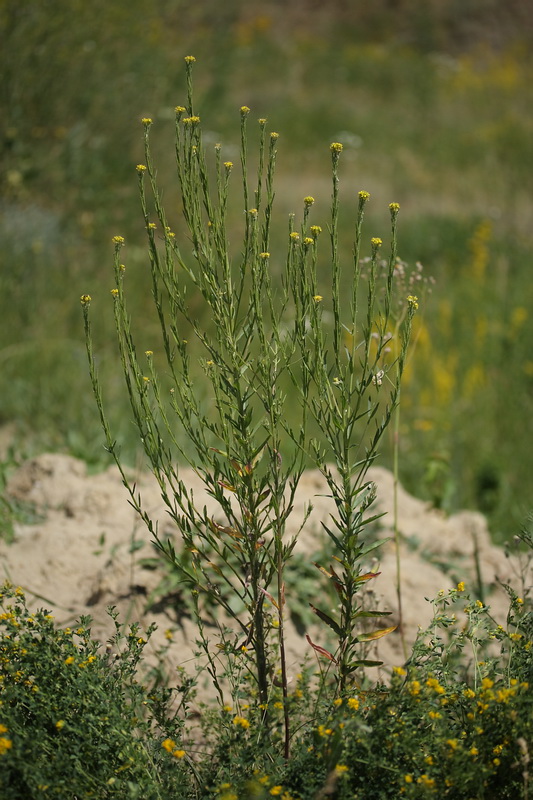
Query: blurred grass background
(432, 101)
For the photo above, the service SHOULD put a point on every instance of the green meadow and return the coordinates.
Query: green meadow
(430, 104)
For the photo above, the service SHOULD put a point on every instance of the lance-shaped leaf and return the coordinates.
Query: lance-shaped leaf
(327, 619)
(332, 576)
(373, 614)
(374, 545)
(367, 577)
(227, 486)
(321, 650)
(353, 665)
(369, 637)
(270, 597)
(216, 528)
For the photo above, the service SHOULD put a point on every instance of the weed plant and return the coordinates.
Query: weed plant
(269, 346)
(455, 721)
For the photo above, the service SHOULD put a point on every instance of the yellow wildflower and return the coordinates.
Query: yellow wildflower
(5, 745)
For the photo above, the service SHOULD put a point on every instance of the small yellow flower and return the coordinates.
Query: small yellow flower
(308, 241)
(315, 230)
(148, 353)
(178, 754)
(274, 135)
(336, 147)
(353, 703)
(241, 722)
(180, 110)
(294, 236)
(317, 298)
(341, 769)
(264, 255)
(189, 59)
(152, 226)
(452, 743)
(399, 671)
(487, 683)
(169, 635)
(276, 790)
(118, 240)
(69, 660)
(308, 201)
(5, 745)
(245, 110)
(60, 724)
(337, 702)
(376, 242)
(412, 301)
(85, 299)
(147, 121)
(394, 208)
(363, 196)
(474, 751)
(228, 165)
(461, 586)
(408, 778)
(114, 292)
(278, 705)
(262, 121)
(169, 745)
(253, 212)
(140, 168)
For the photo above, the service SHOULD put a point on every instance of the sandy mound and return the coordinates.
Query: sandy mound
(86, 552)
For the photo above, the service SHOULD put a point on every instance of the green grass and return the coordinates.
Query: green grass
(430, 118)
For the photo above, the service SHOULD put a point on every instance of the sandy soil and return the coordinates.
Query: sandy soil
(79, 559)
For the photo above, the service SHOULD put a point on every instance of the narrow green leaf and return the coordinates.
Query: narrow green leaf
(327, 619)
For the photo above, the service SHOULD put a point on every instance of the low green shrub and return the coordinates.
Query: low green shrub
(75, 721)
(455, 721)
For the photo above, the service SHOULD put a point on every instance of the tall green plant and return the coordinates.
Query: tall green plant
(288, 388)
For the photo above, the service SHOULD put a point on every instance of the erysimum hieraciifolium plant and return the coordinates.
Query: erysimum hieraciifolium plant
(299, 373)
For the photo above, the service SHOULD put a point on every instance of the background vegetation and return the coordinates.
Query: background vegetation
(429, 100)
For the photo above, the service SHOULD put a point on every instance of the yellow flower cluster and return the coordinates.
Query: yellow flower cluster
(5, 743)
(241, 722)
(171, 747)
